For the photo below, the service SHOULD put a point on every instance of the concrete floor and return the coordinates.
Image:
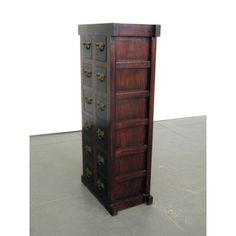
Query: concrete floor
(62, 206)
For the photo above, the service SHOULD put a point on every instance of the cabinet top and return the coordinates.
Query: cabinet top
(116, 29)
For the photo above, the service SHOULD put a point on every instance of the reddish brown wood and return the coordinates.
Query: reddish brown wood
(118, 73)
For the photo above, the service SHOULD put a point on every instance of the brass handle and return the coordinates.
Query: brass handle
(88, 149)
(87, 73)
(100, 133)
(100, 76)
(100, 185)
(87, 125)
(88, 172)
(100, 160)
(87, 45)
(88, 100)
(101, 106)
(100, 46)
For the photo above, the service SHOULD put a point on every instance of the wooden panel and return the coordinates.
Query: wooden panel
(130, 163)
(129, 188)
(132, 79)
(129, 48)
(131, 109)
(134, 136)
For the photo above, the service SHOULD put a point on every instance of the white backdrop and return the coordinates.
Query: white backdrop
(42, 44)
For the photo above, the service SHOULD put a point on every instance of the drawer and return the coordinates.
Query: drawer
(88, 101)
(88, 174)
(87, 75)
(101, 135)
(101, 107)
(101, 79)
(87, 47)
(101, 48)
(101, 162)
(88, 151)
(87, 127)
(101, 186)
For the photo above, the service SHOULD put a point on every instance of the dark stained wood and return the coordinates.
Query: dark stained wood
(129, 137)
(133, 64)
(132, 109)
(116, 29)
(132, 79)
(117, 79)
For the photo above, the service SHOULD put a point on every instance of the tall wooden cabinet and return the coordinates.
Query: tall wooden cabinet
(118, 74)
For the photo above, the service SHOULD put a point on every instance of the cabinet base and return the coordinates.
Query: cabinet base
(113, 208)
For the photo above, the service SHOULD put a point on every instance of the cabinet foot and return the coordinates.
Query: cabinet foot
(148, 199)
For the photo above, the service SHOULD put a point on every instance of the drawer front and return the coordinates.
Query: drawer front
(101, 162)
(87, 47)
(88, 101)
(101, 107)
(87, 74)
(101, 186)
(101, 79)
(101, 135)
(87, 127)
(88, 174)
(101, 48)
(88, 151)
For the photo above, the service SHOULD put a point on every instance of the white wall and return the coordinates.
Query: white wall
(40, 55)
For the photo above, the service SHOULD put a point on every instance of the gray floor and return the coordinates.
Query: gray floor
(62, 206)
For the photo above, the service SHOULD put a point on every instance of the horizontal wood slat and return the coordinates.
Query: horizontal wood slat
(131, 123)
(133, 64)
(130, 150)
(134, 175)
(132, 94)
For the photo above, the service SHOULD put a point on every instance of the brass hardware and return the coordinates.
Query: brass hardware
(88, 149)
(87, 125)
(100, 160)
(100, 46)
(100, 133)
(100, 76)
(87, 73)
(87, 45)
(88, 100)
(88, 172)
(101, 106)
(100, 185)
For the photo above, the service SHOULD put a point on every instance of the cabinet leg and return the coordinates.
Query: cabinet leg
(112, 210)
(148, 199)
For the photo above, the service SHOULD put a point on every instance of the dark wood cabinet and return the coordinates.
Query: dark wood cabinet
(118, 74)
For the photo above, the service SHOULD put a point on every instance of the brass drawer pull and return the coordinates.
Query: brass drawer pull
(100, 160)
(87, 73)
(88, 100)
(88, 149)
(100, 46)
(87, 125)
(100, 133)
(101, 106)
(100, 76)
(100, 185)
(88, 172)
(87, 45)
